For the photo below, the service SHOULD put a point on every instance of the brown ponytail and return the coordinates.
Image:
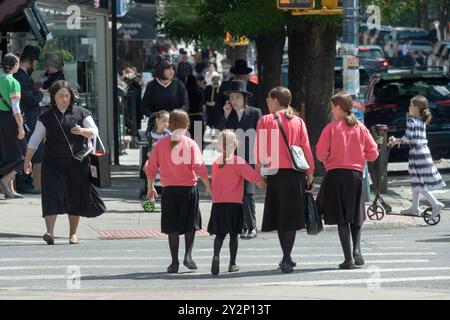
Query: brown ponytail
(422, 103)
(345, 101)
(178, 120)
(9, 62)
(284, 98)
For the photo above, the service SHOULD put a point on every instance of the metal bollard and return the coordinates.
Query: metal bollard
(379, 166)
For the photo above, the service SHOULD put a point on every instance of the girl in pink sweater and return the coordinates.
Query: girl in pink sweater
(343, 147)
(179, 160)
(227, 216)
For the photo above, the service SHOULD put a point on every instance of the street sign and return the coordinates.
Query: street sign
(296, 4)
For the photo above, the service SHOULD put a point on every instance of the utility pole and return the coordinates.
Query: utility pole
(115, 91)
(350, 46)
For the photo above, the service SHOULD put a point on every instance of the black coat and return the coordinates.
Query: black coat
(52, 78)
(248, 121)
(30, 97)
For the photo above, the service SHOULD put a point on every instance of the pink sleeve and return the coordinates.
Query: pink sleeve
(198, 164)
(370, 147)
(323, 147)
(304, 143)
(152, 164)
(249, 174)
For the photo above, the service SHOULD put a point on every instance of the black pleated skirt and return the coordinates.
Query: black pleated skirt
(226, 218)
(285, 201)
(11, 148)
(340, 198)
(180, 212)
(66, 189)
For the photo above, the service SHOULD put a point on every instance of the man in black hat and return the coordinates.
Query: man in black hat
(29, 104)
(242, 118)
(240, 71)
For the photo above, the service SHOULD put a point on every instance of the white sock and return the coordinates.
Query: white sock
(430, 198)
(415, 200)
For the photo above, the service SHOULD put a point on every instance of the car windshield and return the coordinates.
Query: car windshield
(372, 53)
(433, 90)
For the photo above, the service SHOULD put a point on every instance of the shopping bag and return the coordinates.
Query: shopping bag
(100, 165)
(312, 219)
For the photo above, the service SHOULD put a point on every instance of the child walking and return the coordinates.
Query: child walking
(227, 215)
(343, 147)
(422, 171)
(179, 160)
(159, 130)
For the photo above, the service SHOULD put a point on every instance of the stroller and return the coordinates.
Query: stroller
(379, 207)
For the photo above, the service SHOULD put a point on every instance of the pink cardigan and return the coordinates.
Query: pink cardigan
(275, 154)
(344, 147)
(228, 182)
(179, 166)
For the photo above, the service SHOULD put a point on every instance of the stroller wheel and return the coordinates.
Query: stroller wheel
(375, 212)
(426, 217)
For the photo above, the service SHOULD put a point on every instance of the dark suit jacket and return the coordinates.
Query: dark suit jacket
(30, 98)
(248, 121)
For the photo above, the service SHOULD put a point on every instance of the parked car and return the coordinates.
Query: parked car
(401, 34)
(421, 45)
(387, 101)
(372, 58)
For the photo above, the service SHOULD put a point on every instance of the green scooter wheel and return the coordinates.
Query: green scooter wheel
(148, 206)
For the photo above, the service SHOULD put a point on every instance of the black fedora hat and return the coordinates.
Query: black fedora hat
(238, 86)
(240, 67)
(31, 52)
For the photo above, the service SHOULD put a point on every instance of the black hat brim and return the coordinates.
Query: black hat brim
(246, 93)
(233, 70)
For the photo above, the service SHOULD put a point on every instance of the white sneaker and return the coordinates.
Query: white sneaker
(411, 211)
(437, 210)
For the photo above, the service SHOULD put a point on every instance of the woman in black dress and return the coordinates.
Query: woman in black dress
(65, 180)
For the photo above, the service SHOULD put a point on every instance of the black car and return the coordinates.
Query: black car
(387, 102)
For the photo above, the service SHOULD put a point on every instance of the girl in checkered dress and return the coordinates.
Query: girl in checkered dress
(423, 173)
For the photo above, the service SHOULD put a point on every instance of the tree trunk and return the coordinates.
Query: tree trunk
(312, 57)
(236, 52)
(270, 58)
(297, 67)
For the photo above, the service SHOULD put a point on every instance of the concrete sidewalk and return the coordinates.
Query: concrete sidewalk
(125, 217)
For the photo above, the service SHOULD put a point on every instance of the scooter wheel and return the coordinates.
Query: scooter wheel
(375, 212)
(426, 217)
(148, 206)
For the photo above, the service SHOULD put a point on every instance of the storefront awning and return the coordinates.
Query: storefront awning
(23, 16)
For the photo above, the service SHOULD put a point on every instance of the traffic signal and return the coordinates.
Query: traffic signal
(296, 4)
(330, 4)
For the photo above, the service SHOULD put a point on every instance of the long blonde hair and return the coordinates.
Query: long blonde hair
(345, 101)
(178, 119)
(227, 143)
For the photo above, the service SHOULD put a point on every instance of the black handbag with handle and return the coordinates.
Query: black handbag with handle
(312, 218)
(100, 165)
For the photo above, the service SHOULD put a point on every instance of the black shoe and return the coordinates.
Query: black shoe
(251, 234)
(29, 191)
(49, 239)
(190, 264)
(215, 265)
(359, 260)
(286, 267)
(244, 234)
(173, 268)
(347, 265)
(291, 262)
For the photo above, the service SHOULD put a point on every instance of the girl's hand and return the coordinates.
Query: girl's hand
(262, 184)
(309, 182)
(21, 133)
(77, 130)
(27, 167)
(152, 194)
(208, 191)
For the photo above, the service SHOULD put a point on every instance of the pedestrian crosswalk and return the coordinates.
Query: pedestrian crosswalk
(28, 265)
